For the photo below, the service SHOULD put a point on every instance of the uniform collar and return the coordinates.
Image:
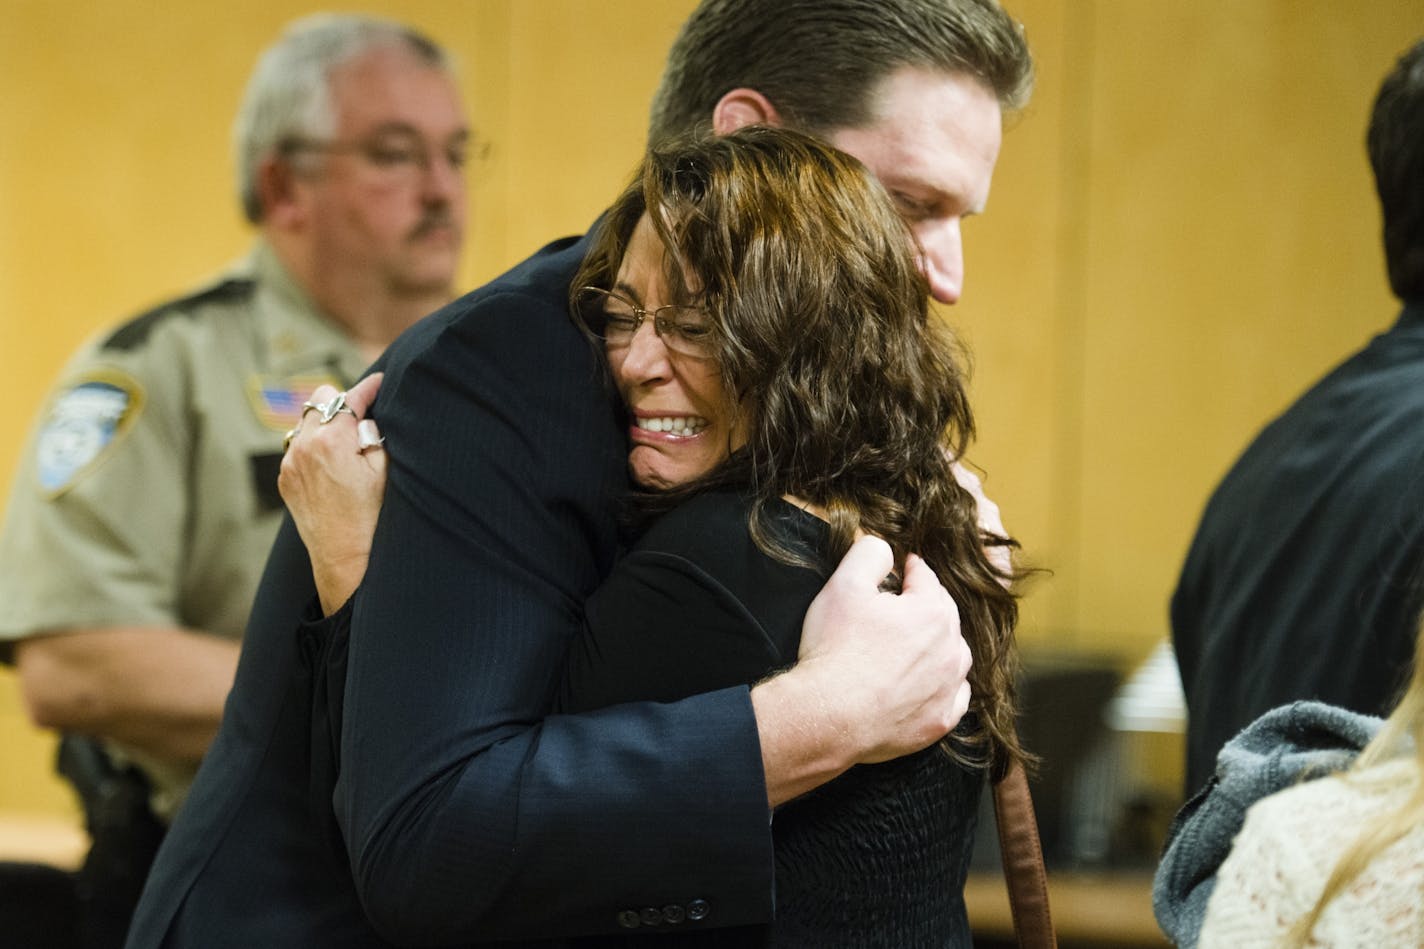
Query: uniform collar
(297, 336)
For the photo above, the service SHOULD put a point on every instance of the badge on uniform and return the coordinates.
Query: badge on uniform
(277, 401)
(84, 419)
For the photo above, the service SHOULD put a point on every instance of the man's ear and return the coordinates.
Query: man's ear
(278, 194)
(742, 107)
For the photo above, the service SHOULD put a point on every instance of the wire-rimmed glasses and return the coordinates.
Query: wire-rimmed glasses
(615, 319)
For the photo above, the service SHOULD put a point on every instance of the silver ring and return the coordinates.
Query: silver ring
(364, 441)
(329, 410)
(291, 434)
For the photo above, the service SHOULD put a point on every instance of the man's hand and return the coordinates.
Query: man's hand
(990, 522)
(880, 675)
(893, 665)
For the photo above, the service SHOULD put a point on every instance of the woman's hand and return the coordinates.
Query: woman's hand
(333, 478)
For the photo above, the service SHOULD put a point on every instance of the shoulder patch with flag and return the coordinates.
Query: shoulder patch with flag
(85, 419)
(277, 401)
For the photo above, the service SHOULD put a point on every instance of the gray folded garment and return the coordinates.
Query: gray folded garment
(1284, 747)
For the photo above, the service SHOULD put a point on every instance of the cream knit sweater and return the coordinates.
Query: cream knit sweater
(1286, 851)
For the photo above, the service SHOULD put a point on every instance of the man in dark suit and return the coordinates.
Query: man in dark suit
(461, 812)
(1306, 576)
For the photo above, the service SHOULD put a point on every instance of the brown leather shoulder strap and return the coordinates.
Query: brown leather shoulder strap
(1023, 861)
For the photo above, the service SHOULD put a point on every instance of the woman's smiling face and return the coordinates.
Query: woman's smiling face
(681, 423)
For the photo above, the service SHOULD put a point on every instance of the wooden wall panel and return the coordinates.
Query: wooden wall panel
(1181, 233)
(1231, 255)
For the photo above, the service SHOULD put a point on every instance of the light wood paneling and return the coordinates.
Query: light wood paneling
(1182, 233)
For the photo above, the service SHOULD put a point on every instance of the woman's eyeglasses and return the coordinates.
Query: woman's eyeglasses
(615, 319)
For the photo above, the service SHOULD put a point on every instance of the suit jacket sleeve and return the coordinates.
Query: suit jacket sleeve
(466, 813)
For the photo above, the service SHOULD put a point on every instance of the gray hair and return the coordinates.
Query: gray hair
(289, 96)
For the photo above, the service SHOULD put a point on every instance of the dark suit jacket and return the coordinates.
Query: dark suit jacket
(463, 812)
(1304, 578)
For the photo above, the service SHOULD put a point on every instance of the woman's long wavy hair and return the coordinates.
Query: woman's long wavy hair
(850, 396)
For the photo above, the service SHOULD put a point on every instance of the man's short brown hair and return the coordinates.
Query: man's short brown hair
(819, 62)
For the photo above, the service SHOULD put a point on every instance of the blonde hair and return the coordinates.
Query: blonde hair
(1401, 736)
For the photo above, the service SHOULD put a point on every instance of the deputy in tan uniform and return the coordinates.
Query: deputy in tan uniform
(148, 498)
(146, 501)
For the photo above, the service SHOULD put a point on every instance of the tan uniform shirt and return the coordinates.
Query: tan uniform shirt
(147, 494)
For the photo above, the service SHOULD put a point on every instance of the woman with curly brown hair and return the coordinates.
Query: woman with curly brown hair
(767, 327)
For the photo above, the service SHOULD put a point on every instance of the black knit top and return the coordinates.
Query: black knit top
(875, 858)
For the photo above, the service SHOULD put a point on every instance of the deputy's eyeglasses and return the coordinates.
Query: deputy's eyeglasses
(614, 319)
(397, 157)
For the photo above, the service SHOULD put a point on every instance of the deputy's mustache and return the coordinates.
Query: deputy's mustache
(431, 219)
